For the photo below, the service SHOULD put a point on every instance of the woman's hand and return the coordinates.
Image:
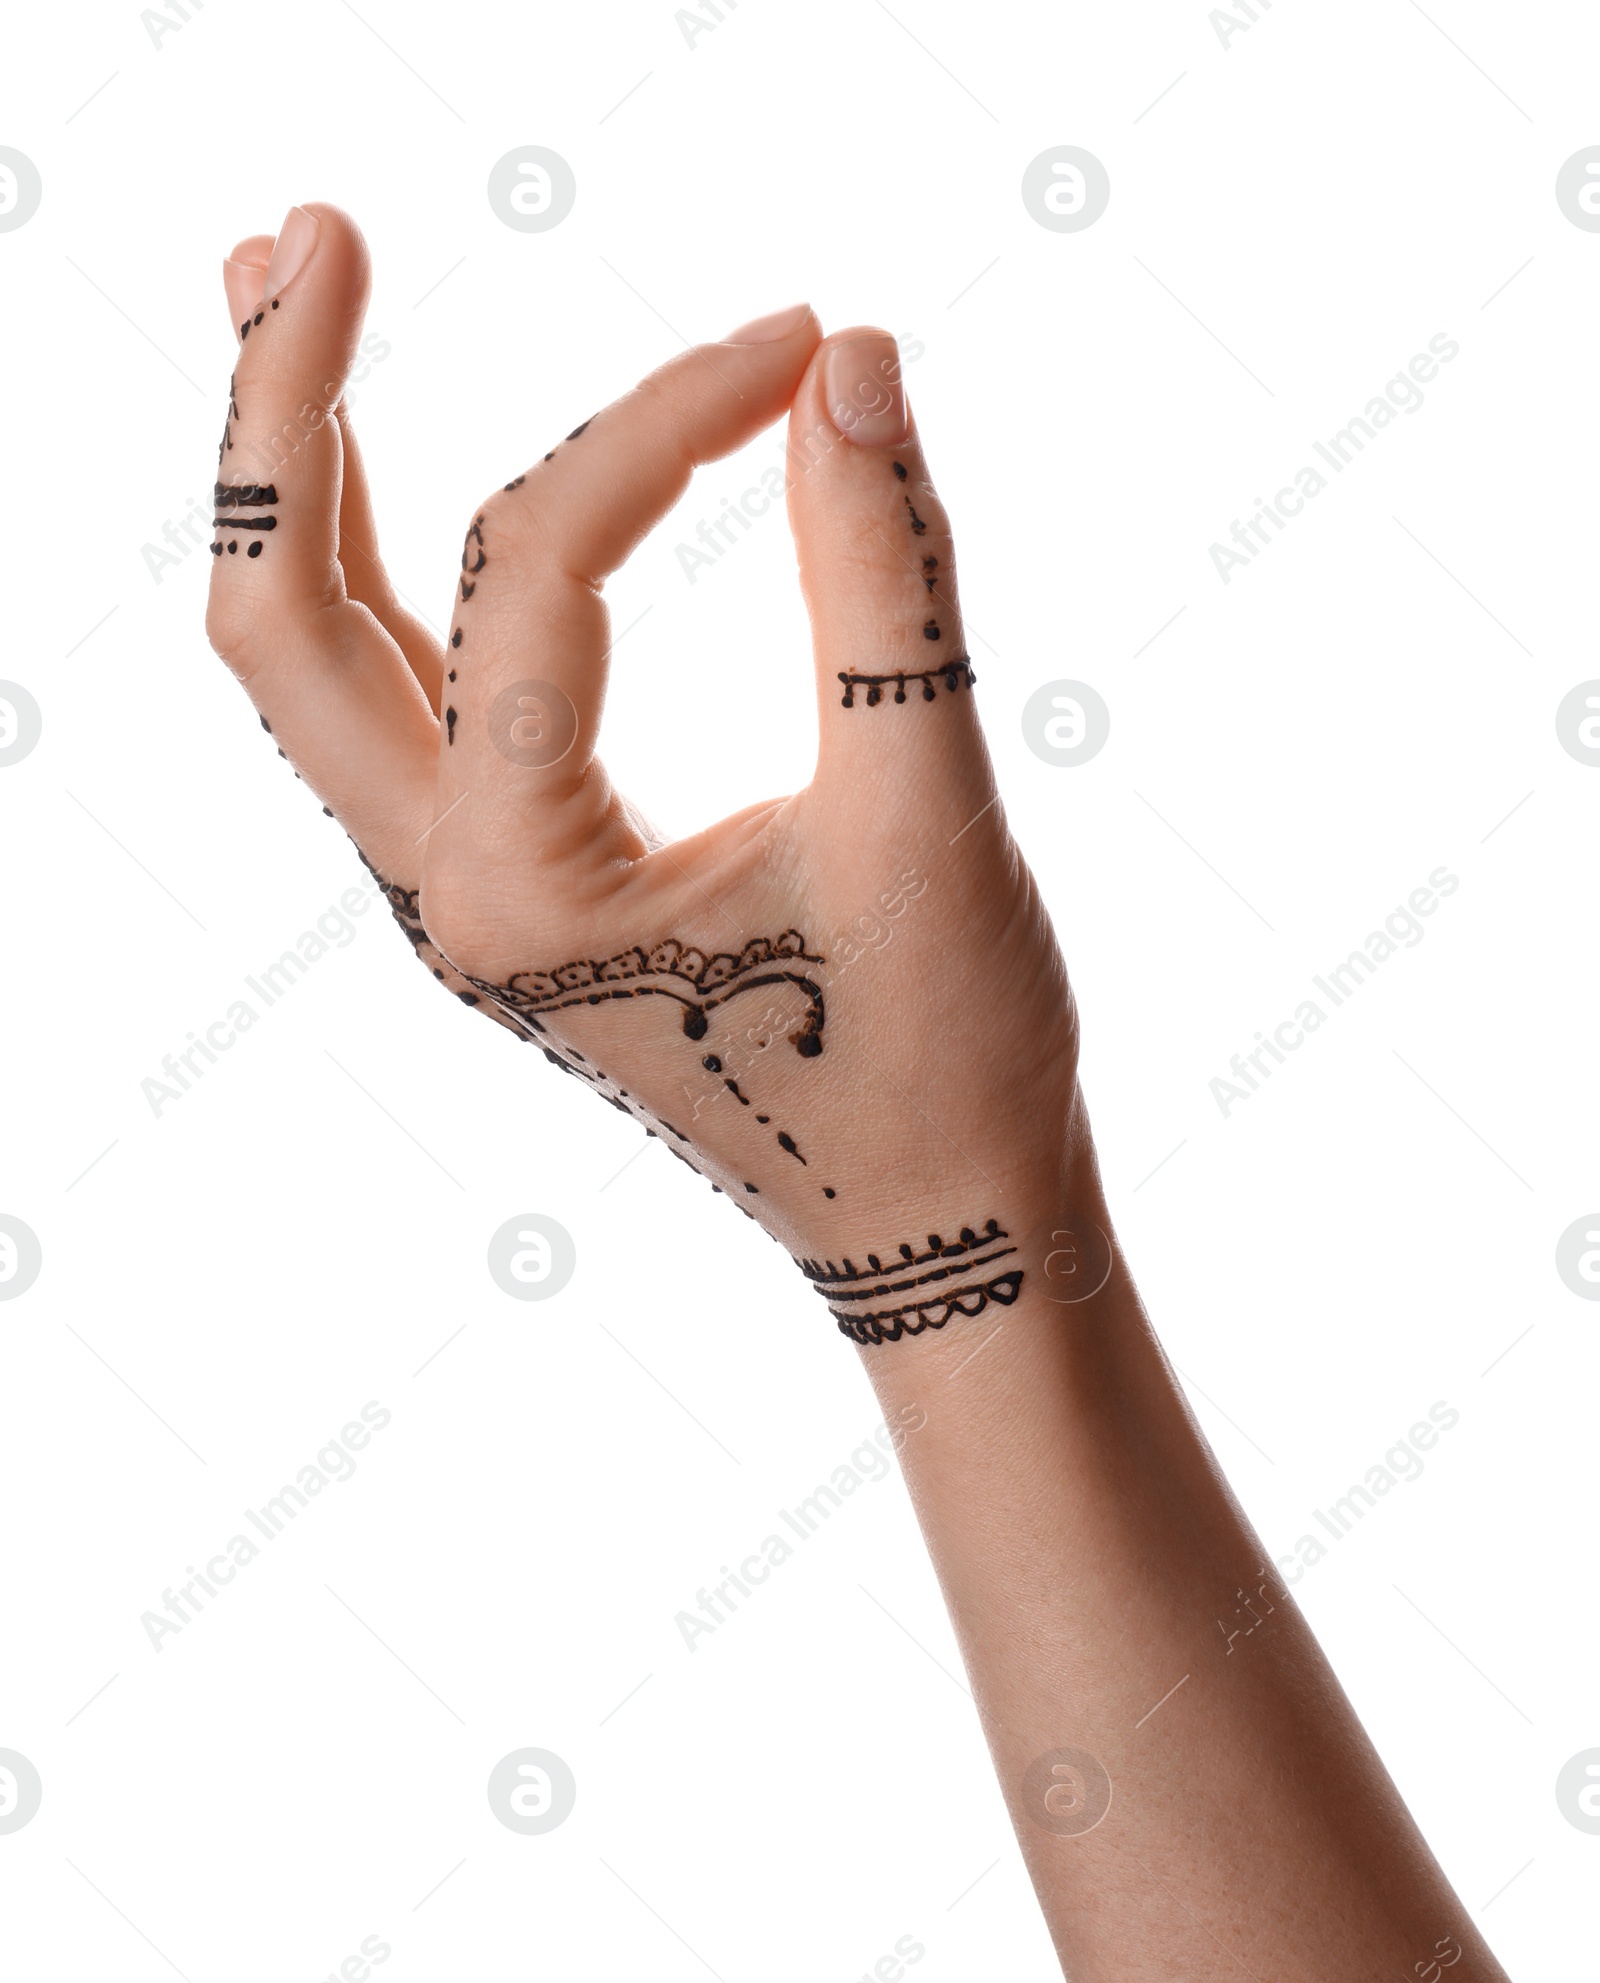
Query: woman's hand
(844, 1008)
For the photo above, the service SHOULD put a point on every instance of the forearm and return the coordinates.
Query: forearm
(1088, 1547)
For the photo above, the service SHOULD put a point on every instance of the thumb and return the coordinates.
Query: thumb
(877, 566)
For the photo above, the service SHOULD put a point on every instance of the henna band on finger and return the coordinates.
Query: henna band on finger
(244, 495)
(955, 674)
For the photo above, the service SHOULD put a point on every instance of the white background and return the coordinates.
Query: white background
(1299, 213)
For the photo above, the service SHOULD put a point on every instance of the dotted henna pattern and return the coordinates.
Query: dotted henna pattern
(955, 674)
(251, 495)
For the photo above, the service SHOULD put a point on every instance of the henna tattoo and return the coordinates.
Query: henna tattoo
(474, 536)
(899, 469)
(244, 495)
(957, 674)
(929, 567)
(225, 445)
(698, 981)
(829, 1192)
(892, 1324)
(917, 524)
(552, 454)
(402, 906)
(930, 630)
(827, 1276)
(450, 726)
(958, 1260)
(455, 638)
(911, 1281)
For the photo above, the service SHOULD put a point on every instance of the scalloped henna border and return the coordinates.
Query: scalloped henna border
(711, 980)
(890, 1325)
(721, 972)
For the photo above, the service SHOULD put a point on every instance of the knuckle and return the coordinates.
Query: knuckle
(510, 518)
(454, 929)
(233, 628)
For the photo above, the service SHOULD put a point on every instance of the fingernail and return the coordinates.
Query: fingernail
(297, 238)
(767, 330)
(244, 282)
(865, 396)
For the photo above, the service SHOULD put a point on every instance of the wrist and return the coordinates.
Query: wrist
(950, 1257)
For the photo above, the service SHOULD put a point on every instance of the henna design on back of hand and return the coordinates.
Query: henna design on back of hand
(698, 980)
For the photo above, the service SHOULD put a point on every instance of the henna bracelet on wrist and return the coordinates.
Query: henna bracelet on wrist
(950, 1271)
